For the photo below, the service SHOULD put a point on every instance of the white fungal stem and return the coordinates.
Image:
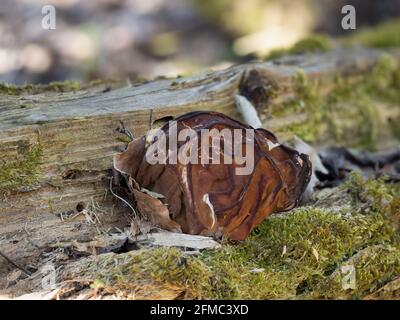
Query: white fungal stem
(206, 199)
(248, 112)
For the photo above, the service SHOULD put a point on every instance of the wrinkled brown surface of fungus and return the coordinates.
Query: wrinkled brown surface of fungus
(213, 199)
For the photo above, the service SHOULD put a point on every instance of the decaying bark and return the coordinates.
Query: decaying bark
(56, 148)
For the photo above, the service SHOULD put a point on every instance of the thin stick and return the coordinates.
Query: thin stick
(122, 199)
(151, 119)
(15, 265)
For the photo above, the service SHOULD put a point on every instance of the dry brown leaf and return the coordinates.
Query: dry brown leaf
(156, 211)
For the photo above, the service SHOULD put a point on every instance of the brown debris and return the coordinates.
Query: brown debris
(155, 210)
(390, 291)
(340, 162)
(210, 199)
(256, 88)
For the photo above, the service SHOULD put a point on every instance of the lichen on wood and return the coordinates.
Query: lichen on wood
(347, 113)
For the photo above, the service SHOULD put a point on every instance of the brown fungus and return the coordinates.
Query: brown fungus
(213, 199)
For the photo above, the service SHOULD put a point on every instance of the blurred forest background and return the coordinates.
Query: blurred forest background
(134, 39)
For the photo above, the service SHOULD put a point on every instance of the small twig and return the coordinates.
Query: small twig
(122, 199)
(15, 265)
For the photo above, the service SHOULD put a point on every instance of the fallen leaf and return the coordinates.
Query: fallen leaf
(156, 211)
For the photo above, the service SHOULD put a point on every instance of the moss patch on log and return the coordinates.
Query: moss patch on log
(24, 172)
(349, 113)
(385, 35)
(313, 43)
(290, 256)
(56, 86)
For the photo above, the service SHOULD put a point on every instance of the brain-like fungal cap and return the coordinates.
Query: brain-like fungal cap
(228, 198)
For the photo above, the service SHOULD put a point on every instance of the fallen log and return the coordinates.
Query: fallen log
(56, 148)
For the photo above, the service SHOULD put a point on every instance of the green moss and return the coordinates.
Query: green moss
(313, 43)
(277, 53)
(62, 86)
(125, 139)
(24, 172)
(290, 256)
(385, 35)
(373, 267)
(394, 126)
(56, 86)
(361, 101)
(306, 100)
(8, 89)
(349, 113)
(232, 17)
(375, 196)
(104, 82)
(384, 80)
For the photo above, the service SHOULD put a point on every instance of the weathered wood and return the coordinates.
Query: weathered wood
(75, 132)
(172, 239)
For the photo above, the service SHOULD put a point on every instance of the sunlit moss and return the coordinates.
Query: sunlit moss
(349, 113)
(290, 256)
(384, 80)
(373, 267)
(313, 43)
(394, 126)
(56, 86)
(307, 99)
(24, 172)
(373, 195)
